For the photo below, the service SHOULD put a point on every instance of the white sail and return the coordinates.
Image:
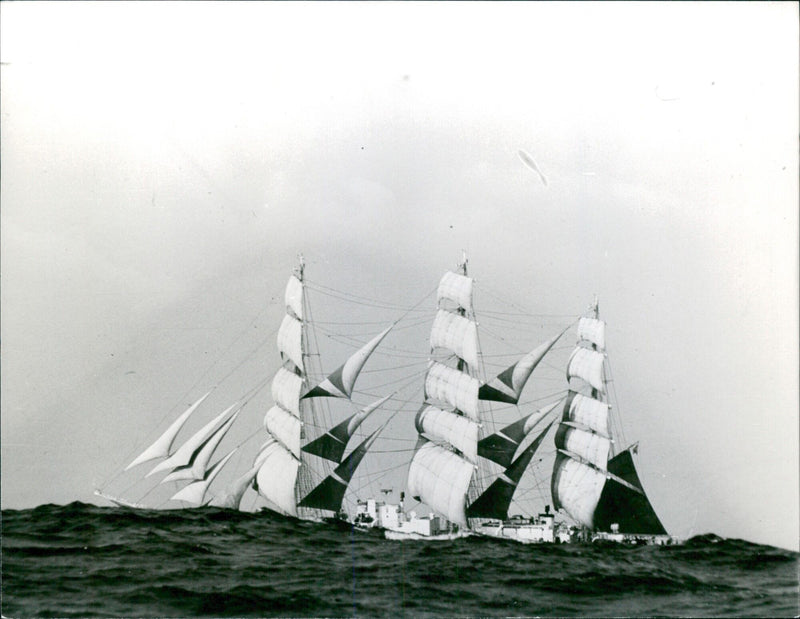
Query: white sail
(457, 430)
(290, 340)
(196, 468)
(195, 493)
(457, 334)
(576, 488)
(525, 366)
(285, 427)
(455, 388)
(536, 417)
(277, 472)
(183, 455)
(591, 447)
(286, 387)
(508, 385)
(160, 448)
(294, 297)
(341, 382)
(589, 412)
(440, 479)
(587, 365)
(361, 415)
(592, 330)
(231, 497)
(456, 288)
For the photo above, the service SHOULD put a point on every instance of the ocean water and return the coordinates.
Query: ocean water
(85, 561)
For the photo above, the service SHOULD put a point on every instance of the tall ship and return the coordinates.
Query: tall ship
(473, 445)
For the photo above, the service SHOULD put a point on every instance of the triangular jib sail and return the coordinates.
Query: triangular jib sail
(161, 447)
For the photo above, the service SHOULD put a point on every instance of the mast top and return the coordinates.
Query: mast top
(301, 265)
(462, 266)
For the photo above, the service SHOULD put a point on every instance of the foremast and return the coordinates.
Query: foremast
(282, 476)
(295, 465)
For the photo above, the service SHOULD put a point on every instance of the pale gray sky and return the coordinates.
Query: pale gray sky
(163, 164)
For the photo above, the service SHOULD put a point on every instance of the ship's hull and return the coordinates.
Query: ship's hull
(635, 539)
(437, 537)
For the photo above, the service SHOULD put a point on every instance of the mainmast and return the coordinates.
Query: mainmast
(442, 471)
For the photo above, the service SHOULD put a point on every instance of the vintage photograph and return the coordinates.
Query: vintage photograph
(399, 309)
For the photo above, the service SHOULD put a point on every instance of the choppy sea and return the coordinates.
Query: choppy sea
(84, 561)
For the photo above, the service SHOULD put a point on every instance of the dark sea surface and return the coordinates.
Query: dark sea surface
(84, 561)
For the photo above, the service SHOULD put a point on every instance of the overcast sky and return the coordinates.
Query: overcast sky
(163, 165)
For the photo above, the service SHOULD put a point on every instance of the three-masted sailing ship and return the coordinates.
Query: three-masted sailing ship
(465, 467)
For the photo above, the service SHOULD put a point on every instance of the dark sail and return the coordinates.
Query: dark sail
(501, 446)
(507, 386)
(332, 444)
(329, 494)
(631, 510)
(496, 499)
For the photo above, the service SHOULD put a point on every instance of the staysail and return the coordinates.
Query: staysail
(183, 455)
(161, 447)
(496, 499)
(340, 383)
(195, 493)
(231, 497)
(501, 446)
(198, 462)
(329, 494)
(507, 386)
(627, 507)
(333, 443)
